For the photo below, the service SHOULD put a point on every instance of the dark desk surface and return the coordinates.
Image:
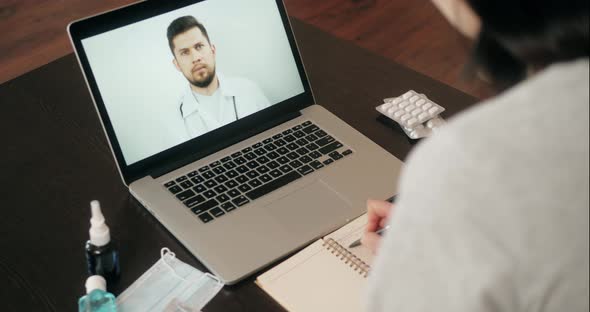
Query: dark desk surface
(56, 159)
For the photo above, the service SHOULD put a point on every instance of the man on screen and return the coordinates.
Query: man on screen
(211, 100)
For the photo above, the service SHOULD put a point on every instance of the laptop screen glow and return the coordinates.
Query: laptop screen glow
(160, 93)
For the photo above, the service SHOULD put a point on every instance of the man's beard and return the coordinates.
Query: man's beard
(205, 82)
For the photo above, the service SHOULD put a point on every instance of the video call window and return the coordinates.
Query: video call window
(179, 75)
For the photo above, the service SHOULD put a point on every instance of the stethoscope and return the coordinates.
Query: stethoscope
(235, 108)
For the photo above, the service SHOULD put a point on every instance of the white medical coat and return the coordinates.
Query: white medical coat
(239, 97)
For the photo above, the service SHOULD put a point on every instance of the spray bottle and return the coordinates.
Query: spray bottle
(101, 253)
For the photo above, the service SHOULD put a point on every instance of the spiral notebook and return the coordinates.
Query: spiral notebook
(325, 276)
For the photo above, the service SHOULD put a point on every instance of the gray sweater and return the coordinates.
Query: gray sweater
(493, 211)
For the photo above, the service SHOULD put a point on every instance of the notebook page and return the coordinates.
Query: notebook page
(315, 280)
(350, 233)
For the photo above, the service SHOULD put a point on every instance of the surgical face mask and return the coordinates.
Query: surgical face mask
(170, 285)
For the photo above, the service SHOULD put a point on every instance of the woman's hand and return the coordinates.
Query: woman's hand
(378, 213)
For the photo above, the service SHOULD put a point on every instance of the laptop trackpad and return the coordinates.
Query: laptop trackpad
(313, 209)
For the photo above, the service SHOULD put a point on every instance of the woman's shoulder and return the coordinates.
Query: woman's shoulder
(540, 108)
(562, 87)
(528, 135)
(510, 159)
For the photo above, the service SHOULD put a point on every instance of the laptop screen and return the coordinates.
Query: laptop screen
(179, 75)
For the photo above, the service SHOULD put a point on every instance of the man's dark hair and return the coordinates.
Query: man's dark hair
(518, 35)
(183, 24)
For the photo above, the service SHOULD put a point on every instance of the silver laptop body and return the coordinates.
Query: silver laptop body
(233, 242)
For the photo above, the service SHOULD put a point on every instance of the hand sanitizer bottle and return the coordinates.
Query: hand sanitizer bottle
(101, 253)
(97, 299)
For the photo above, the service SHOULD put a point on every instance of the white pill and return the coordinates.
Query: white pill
(414, 135)
(433, 110)
(410, 108)
(427, 106)
(404, 104)
(423, 116)
(435, 123)
(405, 117)
(420, 102)
(399, 113)
(416, 112)
(408, 95)
(412, 122)
(414, 98)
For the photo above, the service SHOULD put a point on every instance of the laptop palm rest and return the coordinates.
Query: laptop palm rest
(299, 211)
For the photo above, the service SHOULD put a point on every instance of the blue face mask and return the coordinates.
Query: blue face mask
(170, 285)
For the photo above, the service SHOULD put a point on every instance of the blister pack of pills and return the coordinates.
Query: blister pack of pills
(414, 112)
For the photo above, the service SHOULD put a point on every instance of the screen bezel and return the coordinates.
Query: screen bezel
(195, 148)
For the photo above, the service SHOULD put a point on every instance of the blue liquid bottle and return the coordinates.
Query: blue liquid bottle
(97, 299)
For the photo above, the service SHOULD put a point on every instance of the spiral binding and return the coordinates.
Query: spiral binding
(348, 257)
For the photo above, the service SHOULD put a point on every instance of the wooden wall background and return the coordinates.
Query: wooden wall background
(409, 32)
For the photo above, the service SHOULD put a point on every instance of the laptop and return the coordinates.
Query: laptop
(213, 126)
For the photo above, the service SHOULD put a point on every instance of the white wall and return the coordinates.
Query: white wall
(141, 88)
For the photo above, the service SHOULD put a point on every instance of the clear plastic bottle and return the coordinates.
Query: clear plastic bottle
(97, 299)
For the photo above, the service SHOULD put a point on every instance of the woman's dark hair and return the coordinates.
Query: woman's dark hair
(181, 25)
(518, 35)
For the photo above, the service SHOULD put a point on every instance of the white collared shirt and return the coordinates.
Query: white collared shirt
(234, 99)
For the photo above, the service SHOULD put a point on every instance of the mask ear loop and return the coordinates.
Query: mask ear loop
(165, 251)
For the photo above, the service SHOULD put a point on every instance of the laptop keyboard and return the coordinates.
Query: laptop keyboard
(233, 181)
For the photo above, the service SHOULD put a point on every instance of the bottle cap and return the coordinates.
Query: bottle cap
(95, 282)
(100, 234)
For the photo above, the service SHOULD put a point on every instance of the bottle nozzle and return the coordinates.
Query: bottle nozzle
(99, 231)
(97, 217)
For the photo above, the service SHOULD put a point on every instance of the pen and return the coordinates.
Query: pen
(357, 242)
(379, 232)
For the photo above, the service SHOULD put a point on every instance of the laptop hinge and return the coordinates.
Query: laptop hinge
(162, 170)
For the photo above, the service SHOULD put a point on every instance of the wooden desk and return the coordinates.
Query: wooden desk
(56, 159)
